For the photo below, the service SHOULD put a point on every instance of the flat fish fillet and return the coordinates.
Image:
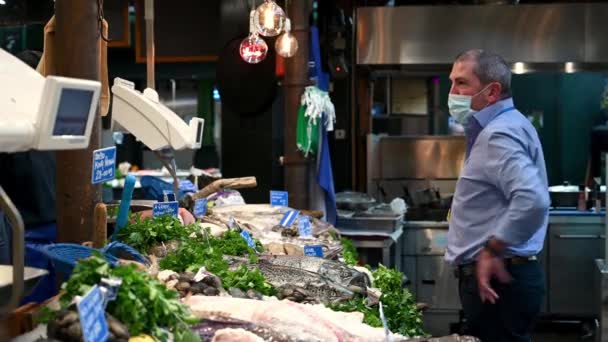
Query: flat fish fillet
(235, 335)
(207, 328)
(302, 322)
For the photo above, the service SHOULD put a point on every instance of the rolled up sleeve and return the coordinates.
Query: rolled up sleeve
(517, 176)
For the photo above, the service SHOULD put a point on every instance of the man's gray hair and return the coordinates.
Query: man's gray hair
(489, 67)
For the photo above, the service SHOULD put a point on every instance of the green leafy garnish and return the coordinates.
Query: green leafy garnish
(349, 252)
(143, 304)
(399, 305)
(244, 278)
(208, 251)
(145, 233)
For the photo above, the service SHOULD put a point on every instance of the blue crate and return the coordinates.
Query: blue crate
(153, 187)
(64, 256)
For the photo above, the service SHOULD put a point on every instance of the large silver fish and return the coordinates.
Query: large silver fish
(321, 288)
(335, 271)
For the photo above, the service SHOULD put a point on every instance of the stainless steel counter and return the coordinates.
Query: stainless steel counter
(574, 240)
(601, 298)
(432, 280)
(427, 224)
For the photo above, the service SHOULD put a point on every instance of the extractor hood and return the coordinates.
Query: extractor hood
(570, 35)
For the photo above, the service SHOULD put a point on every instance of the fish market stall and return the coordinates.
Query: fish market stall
(193, 264)
(227, 286)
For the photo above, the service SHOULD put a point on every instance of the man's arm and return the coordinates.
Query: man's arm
(523, 186)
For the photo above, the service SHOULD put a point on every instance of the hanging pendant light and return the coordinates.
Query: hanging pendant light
(253, 49)
(287, 44)
(269, 19)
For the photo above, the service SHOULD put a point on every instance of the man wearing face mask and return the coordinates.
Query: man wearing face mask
(500, 208)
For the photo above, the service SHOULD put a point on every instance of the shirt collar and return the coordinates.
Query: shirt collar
(489, 113)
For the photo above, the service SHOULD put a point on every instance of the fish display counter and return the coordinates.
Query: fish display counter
(240, 274)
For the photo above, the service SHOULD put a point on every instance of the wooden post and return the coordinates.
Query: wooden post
(77, 55)
(297, 169)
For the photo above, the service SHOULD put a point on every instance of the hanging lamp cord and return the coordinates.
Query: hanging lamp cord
(100, 18)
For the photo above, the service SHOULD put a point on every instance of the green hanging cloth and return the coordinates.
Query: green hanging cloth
(307, 133)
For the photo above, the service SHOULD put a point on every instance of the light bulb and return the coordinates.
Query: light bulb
(253, 49)
(269, 19)
(286, 45)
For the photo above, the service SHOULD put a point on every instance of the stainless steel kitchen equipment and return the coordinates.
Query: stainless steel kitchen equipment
(414, 157)
(574, 240)
(545, 35)
(601, 299)
(574, 243)
(402, 165)
(432, 280)
(567, 196)
(423, 170)
(354, 201)
(380, 224)
(601, 277)
(367, 239)
(370, 225)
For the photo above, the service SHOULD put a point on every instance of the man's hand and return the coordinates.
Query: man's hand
(489, 266)
(184, 215)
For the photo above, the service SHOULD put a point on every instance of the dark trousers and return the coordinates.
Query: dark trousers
(511, 318)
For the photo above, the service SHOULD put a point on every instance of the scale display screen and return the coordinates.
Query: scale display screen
(72, 112)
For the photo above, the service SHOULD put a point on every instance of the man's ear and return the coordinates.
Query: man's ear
(495, 92)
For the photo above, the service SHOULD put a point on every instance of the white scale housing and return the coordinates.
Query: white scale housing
(52, 113)
(155, 125)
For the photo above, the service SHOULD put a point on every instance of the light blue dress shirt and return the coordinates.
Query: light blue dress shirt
(502, 191)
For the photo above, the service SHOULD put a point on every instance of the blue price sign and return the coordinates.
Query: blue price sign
(279, 198)
(313, 250)
(92, 316)
(165, 208)
(200, 207)
(304, 226)
(104, 165)
(289, 218)
(248, 238)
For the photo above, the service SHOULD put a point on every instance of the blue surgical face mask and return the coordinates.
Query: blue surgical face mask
(460, 106)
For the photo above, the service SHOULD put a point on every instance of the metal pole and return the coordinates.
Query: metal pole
(18, 245)
(76, 54)
(605, 256)
(354, 104)
(150, 53)
(297, 168)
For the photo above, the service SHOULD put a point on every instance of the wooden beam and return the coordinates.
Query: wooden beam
(298, 170)
(77, 55)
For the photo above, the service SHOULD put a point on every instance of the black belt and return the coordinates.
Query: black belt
(469, 269)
